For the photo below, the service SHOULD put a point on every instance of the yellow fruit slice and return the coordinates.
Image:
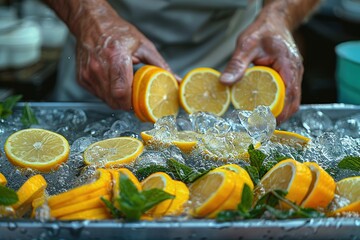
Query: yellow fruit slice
(32, 189)
(139, 74)
(260, 86)
(201, 90)
(3, 180)
(210, 191)
(158, 96)
(349, 190)
(113, 151)
(289, 175)
(242, 177)
(89, 214)
(38, 149)
(181, 197)
(37, 203)
(79, 206)
(164, 182)
(103, 181)
(97, 193)
(289, 138)
(322, 188)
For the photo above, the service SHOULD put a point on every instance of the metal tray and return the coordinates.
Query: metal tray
(325, 228)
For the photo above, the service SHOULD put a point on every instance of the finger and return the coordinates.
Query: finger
(244, 53)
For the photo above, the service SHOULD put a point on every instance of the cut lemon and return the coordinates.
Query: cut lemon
(349, 190)
(89, 214)
(240, 172)
(3, 180)
(322, 188)
(103, 181)
(38, 149)
(164, 182)
(32, 189)
(181, 197)
(210, 191)
(113, 151)
(139, 74)
(201, 90)
(158, 96)
(259, 86)
(289, 175)
(289, 138)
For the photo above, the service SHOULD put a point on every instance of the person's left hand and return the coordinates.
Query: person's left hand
(268, 42)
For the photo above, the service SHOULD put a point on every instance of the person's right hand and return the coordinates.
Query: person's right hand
(107, 48)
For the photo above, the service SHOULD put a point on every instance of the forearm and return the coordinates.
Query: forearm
(82, 14)
(291, 12)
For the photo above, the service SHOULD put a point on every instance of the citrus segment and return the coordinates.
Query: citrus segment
(322, 188)
(89, 214)
(158, 96)
(164, 182)
(260, 86)
(3, 180)
(38, 149)
(181, 197)
(32, 189)
(289, 138)
(240, 172)
(289, 175)
(139, 74)
(349, 191)
(201, 90)
(210, 191)
(113, 151)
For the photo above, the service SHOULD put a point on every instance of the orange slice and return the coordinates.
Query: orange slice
(32, 189)
(38, 149)
(164, 182)
(181, 197)
(3, 180)
(201, 90)
(322, 188)
(89, 214)
(113, 151)
(259, 86)
(210, 191)
(139, 74)
(289, 175)
(349, 191)
(103, 181)
(158, 96)
(289, 138)
(242, 177)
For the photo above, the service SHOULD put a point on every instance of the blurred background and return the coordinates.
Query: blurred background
(31, 40)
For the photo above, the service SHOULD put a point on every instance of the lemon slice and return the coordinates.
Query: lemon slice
(259, 86)
(32, 189)
(210, 191)
(3, 180)
(322, 188)
(181, 197)
(88, 214)
(201, 90)
(289, 138)
(38, 149)
(158, 95)
(349, 189)
(289, 175)
(164, 182)
(113, 151)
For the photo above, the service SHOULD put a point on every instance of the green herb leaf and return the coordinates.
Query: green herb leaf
(28, 117)
(181, 171)
(7, 196)
(116, 213)
(246, 199)
(350, 162)
(155, 196)
(256, 157)
(144, 172)
(8, 104)
(254, 174)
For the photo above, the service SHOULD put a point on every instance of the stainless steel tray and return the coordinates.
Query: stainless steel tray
(325, 228)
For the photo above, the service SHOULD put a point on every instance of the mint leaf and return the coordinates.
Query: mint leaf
(8, 104)
(7, 196)
(256, 157)
(350, 162)
(246, 199)
(144, 172)
(28, 117)
(116, 213)
(254, 174)
(155, 196)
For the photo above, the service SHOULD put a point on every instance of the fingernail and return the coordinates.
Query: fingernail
(227, 77)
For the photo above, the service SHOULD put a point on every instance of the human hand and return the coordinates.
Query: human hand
(269, 42)
(107, 47)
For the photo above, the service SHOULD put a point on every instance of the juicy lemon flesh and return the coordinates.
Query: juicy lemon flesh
(349, 188)
(204, 188)
(256, 88)
(279, 179)
(205, 93)
(154, 182)
(163, 96)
